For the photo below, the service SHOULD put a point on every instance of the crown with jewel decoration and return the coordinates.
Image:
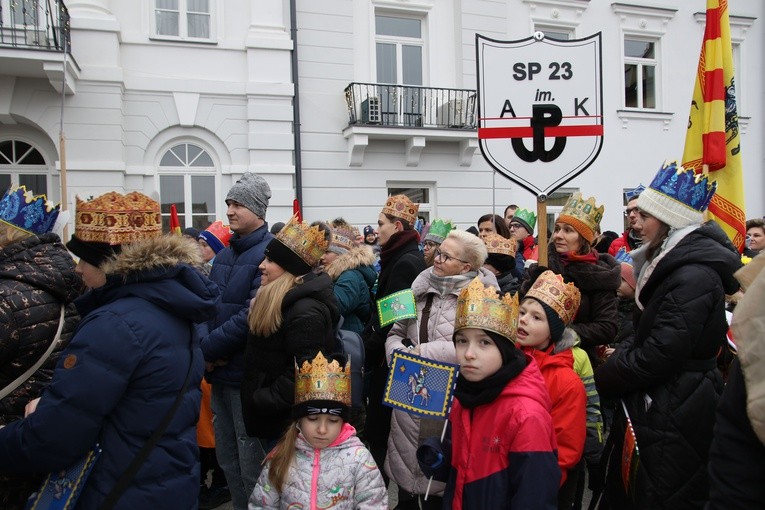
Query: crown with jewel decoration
(438, 231)
(307, 242)
(481, 308)
(322, 386)
(496, 244)
(399, 206)
(583, 215)
(26, 211)
(117, 219)
(676, 196)
(562, 297)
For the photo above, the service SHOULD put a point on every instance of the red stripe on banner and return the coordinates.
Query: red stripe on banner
(714, 149)
(712, 29)
(719, 209)
(550, 132)
(714, 85)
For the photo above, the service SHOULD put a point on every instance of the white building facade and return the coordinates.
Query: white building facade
(178, 98)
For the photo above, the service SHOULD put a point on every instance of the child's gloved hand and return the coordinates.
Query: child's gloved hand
(430, 456)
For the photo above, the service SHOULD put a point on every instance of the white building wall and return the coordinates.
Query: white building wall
(137, 95)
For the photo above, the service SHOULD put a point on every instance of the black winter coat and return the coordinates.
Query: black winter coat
(667, 376)
(268, 386)
(597, 320)
(36, 278)
(737, 456)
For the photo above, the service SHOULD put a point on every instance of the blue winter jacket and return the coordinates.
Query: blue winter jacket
(238, 277)
(119, 376)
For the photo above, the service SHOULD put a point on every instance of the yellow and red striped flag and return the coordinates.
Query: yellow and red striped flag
(175, 224)
(713, 137)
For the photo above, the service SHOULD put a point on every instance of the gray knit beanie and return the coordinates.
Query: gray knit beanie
(253, 192)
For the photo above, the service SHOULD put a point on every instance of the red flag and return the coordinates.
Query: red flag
(175, 224)
(296, 210)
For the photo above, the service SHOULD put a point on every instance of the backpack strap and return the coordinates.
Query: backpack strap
(424, 318)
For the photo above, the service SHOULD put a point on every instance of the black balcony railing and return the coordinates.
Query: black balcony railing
(35, 24)
(377, 104)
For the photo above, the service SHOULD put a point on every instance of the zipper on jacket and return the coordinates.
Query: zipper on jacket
(315, 479)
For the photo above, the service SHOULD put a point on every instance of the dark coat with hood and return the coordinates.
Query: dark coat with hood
(667, 376)
(237, 275)
(354, 276)
(597, 320)
(36, 277)
(120, 375)
(309, 314)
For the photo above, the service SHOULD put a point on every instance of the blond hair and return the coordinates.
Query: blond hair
(265, 317)
(474, 250)
(281, 457)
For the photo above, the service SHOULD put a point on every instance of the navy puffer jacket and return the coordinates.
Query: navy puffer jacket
(236, 272)
(120, 375)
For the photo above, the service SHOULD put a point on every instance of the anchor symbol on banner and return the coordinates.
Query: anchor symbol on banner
(543, 115)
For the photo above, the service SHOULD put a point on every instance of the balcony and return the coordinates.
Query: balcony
(410, 113)
(34, 34)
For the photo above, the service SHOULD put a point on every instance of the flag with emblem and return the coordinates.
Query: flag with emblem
(712, 141)
(420, 385)
(395, 307)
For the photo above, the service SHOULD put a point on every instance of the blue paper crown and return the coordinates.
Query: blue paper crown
(623, 257)
(685, 186)
(26, 211)
(632, 193)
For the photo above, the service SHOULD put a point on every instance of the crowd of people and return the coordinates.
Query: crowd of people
(196, 369)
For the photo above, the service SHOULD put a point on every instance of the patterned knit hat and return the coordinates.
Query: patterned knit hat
(104, 224)
(677, 197)
(30, 213)
(583, 215)
(298, 247)
(217, 236)
(343, 241)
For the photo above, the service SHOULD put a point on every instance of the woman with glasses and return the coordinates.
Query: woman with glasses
(457, 261)
(667, 377)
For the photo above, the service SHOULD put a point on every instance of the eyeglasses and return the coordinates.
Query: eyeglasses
(515, 225)
(446, 258)
(630, 210)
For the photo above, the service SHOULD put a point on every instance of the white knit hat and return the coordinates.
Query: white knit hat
(677, 197)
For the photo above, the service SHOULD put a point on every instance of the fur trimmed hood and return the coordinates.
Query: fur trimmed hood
(147, 254)
(355, 258)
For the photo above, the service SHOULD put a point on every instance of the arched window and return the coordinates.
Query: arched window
(22, 164)
(187, 178)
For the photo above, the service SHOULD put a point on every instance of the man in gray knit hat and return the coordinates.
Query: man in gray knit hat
(238, 277)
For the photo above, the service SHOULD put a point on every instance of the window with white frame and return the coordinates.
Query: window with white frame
(187, 178)
(553, 32)
(183, 19)
(399, 50)
(555, 202)
(21, 164)
(640, 73)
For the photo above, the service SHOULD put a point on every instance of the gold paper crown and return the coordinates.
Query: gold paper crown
(497, 244)
(322, 380)
(308, 243)
(399, 206)
(481, 307)
(563, 298)
(583, 215)
(117, 219)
